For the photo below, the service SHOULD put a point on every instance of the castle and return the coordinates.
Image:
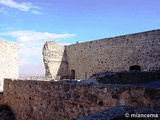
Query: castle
(139, 51)
(68, 100)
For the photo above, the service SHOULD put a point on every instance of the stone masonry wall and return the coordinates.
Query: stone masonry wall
(52, 57)
(48, 100)
(2, 100)
(9, 61)
(115, 54)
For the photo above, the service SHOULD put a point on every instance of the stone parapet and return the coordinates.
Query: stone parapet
(38, 100)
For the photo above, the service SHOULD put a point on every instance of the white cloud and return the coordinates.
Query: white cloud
(31, 44)
(64, 43)
(36, 12)
(27, 35)
(25, 6)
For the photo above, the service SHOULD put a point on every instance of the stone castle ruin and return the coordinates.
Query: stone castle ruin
(9, 61)
(113, 93)
(139, 51)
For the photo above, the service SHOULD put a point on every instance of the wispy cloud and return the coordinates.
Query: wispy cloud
(64, 43)
(24, 6)
(36, 12)
(31, 44)
(2, 10)
(28, 35)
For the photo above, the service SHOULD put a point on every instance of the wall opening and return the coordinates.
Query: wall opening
(85, 75)
(72, 74)
(6, 113)
(135, 68)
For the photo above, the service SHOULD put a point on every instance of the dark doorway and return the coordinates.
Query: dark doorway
(135, 68)
(72, 74)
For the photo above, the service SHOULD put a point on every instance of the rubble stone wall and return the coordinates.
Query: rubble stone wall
(2, 100)
(9, 61)
(39, 100)
(109, 54)
(115, 54)
(52, 57)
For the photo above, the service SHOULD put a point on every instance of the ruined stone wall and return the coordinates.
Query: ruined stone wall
(53, 58)
(2, 100)
(9, 61)
(115, 54)
(47, 100)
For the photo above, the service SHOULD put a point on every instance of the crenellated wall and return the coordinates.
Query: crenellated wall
(9, 61)
(47, 100)
(112, 54)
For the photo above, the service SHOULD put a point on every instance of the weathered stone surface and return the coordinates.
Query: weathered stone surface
(127, 77)
(9, 61)
(109, 54)
(67, 100)
(53, 58)
(123, 113)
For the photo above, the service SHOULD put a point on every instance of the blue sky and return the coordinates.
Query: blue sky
(32, 22)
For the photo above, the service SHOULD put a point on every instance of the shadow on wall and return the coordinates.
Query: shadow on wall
(6, 113)
(63, 69)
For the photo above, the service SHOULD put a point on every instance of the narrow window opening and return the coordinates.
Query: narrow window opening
(85, 75)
